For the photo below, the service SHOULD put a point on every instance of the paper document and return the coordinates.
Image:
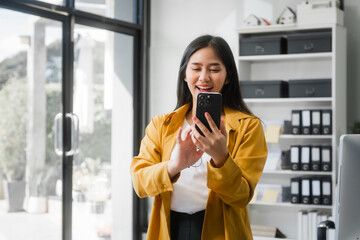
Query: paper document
(272, 133)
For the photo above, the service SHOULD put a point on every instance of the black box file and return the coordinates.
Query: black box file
(326, 158)
(310, 88)
(309, 43)
(306, 191)
(262, 45)
(295, 158)
(295, 191)
(264, 89)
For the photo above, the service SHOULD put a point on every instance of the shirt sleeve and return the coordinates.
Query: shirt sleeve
(235, 181)
(149, 173)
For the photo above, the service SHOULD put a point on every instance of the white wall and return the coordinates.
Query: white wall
(174, 23)
(351, 21)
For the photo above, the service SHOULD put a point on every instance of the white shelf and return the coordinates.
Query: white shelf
(270, 238)
(288, 100)
(281, 27)
(291, 136)
(284, 57)
(297, 173)
(288, 205)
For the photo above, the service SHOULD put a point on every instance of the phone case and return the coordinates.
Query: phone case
(211, 103)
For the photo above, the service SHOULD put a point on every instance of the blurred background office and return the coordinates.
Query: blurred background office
(79, 81)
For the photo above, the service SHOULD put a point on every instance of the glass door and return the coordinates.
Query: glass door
(72, 110)
(30, 97)
(103, 102)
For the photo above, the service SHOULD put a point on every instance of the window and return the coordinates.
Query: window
(72, 116)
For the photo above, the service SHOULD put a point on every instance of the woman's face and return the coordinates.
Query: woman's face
(205, 72)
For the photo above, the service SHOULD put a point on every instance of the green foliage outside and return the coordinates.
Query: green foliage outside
(14, 119)
(13, 122)
(97, 145)
(13, 68)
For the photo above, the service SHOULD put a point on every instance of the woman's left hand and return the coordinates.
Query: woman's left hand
(213, 143)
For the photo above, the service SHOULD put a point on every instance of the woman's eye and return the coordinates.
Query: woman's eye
(196, 69)
(214, 70)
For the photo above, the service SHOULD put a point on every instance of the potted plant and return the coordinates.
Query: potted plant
(96, 184)
(14, 186)
(13, 124)
(97, 194)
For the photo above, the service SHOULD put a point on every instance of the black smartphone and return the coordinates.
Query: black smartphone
(212, 103)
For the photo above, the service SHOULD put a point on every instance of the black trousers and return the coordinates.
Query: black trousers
(185, 226)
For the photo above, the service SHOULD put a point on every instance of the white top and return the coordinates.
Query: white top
(190, 191)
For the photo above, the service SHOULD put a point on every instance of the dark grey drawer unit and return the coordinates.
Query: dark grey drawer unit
(264, 89)
(309, 43)
(262, 45)
(310, 88)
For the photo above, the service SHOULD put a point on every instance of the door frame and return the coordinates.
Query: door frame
(139, 30)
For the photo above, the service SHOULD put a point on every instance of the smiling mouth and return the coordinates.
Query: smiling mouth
(201, 88)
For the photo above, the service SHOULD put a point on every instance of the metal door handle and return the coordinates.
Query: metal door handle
(58, 139)
(58, 136)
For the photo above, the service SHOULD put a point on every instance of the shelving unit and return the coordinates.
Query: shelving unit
(296, 173)
(306, 137)
(289, 206)
(282, 57)
(296, 66)
(287, 100)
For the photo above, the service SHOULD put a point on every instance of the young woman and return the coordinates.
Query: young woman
(202, 184)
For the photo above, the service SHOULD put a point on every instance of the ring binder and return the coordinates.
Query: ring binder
(295, 121)
(306, 122)
(295, 186)
(316, 191)
(305, 158)
(326, 158)
(316, 121)
(315, 158)
(326, 191)
(326, 122)
(306, 191)
(295, 157)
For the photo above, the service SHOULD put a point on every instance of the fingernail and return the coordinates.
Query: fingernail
(207, 114)
(194, 118)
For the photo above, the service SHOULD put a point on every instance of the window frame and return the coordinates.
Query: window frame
(68, 16)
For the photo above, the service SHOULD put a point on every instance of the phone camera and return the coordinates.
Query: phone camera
(208, 101)
(202, 97)
(201, 104)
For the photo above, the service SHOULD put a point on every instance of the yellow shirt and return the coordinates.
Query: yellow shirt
(231, 186)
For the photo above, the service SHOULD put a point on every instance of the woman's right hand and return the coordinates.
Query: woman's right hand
(187, 153)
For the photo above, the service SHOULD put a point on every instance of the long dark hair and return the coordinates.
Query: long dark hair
(231, 93)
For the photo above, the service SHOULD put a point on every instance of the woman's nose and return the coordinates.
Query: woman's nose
(204, 75)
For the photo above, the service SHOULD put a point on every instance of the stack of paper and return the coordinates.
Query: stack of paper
(267, 193)
(273, 160)
(266, 231)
